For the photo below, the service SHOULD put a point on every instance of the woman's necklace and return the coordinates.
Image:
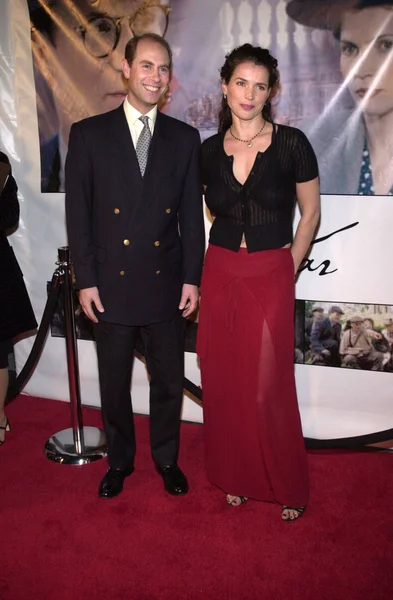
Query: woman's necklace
(248, 142)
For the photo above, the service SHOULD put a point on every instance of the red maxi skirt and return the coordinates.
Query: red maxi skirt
(253, 435)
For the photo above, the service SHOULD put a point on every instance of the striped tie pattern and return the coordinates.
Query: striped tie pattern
(143, 143)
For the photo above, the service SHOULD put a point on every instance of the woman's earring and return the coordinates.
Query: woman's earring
(225, 96)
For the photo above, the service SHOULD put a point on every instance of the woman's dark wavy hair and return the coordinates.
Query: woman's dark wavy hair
(258, 56)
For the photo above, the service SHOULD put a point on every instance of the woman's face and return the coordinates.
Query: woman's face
(247, 90)
(366, 43)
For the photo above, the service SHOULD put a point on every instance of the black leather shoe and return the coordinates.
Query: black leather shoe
(112, 483)
(175, 482)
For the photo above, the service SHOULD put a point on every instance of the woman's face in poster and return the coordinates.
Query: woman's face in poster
(366, 42)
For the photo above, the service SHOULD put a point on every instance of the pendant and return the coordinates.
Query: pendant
(249, 145)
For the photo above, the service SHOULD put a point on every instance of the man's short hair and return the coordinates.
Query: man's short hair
(132, 45)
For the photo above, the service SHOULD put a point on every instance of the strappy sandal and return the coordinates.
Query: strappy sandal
(6, 427)
(288, 519)
(242, 499)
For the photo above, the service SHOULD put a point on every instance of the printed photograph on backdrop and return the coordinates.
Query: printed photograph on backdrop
(352, 336)
(335, 60)
(353, 136)
(77, 51)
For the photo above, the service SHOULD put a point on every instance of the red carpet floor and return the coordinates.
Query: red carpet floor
(59, 541)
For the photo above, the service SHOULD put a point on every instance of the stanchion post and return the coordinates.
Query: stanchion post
(72, 350)
(77, 445)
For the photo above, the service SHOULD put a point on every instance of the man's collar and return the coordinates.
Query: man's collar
(133, 114)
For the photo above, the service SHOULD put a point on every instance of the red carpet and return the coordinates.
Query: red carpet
(59, 541)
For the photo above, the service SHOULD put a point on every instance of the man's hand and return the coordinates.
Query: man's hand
(375, 335)
(189, 299)
(88, 296)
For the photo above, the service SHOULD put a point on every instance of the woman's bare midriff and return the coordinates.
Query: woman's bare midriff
(243, 243)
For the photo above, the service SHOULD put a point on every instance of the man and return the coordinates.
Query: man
(356, 348)
(325, 338)
(316, 315)
(78, 46)
(136, 232)
(387, 332)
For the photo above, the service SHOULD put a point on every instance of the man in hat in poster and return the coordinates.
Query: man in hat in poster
(325, 339)
(357, 349)
(387, 332)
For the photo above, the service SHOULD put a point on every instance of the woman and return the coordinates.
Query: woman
(252, 170)
(16, 314)
(355, 148)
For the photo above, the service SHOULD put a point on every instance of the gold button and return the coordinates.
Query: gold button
(157, 243)
(116, 211)
(158, 272)
(126, 242)
(168, 211)
(121, 272)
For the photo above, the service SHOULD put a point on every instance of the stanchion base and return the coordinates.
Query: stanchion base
(61, 447)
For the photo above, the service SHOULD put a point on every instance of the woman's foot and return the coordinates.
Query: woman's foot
(236, 500)
(292, 514)
(4, 426)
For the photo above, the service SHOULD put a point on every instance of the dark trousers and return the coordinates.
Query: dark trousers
(164, 353)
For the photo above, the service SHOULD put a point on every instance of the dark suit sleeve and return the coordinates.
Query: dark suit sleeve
(191, 222)
(315, 344)
(79, 208)
(9, 205)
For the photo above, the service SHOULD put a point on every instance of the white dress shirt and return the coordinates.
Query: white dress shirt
(135, 125)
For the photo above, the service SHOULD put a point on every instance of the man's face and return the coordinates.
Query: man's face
(335, 317)
(148, 75)
(83, 84)
(356, 326)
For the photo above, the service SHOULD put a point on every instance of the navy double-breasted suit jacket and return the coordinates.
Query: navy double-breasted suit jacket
(137, 239)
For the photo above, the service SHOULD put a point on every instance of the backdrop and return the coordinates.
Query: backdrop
(61, 63)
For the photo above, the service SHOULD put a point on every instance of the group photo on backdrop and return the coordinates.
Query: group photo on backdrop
(221, 174)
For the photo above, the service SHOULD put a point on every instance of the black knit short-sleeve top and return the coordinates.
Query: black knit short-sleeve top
(261, 208)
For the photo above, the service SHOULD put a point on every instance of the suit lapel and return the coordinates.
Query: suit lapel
(126, 155)
(161, 163)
